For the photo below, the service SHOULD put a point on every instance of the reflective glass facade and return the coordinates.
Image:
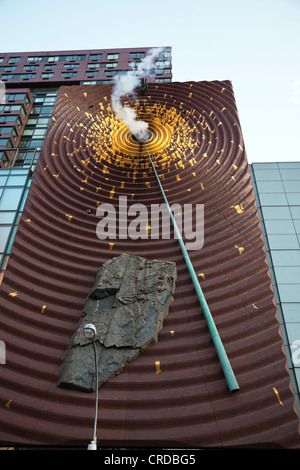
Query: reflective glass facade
(14, 186)
(277, 188)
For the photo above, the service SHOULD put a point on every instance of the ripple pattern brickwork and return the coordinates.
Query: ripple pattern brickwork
(174, 394)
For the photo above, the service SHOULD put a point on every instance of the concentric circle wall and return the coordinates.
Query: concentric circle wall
(175, 393)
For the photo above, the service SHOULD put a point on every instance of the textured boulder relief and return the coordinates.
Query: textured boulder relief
(127, 305)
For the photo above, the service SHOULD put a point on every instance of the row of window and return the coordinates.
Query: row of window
(9, 130)
(131, 63)
(110, 82)
(11, 118)
(17, 97)
(48, 67)
(13, 108)
(49, 73)
(68, 58)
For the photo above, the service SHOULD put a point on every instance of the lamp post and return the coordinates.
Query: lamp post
(90, 333)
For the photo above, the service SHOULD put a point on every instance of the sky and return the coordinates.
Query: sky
(253, 43)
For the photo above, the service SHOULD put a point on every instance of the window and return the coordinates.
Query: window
(95, 66)
(68, 74)
(71, 66)
(13, 60)
(10, 198)
(110, 73)
(6, 130)
(136, 55)
(112, 56)
(5, 143)
(47, 75)
(13, 107)
(69, 58)
(15, 96)
(35, 59)
(95, 56)
(29, 68)
(8, 68)
(164, 54)
(276, 212)
(267, 175)
(49, 67)
(162, 80)
(163, 63)
(18, 76)
(91, 74)
(53, 59)
(4, 158)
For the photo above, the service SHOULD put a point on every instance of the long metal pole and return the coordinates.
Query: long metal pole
(226, 366)
(93, 444)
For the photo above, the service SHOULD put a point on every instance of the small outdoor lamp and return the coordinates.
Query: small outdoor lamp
(90, 333)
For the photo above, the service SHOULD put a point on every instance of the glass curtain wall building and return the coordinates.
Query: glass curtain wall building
(277, 188)
(15, 180)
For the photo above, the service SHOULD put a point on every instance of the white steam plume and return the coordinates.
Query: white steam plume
(126, 84)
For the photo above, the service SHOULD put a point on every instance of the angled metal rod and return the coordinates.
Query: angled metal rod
(226, 366)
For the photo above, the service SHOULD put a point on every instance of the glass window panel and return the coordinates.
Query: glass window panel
(267, 175)
(15, 171)
(290, 174)
(276, 213)
(3, 179)
(297, 226)
(46, 110)
(293, 199)
(295, 210)
(286, 257)
(273, 199)
(287, 275)
(288, 164)
(24, 199)
(289, 293)
(10, 199)
(283, 242)
(16, 180)
(40, 132)
(7, 217)
(291, 312)
(270, 187)
(293, 331)
(292, 186)
(4, 233)
(11, 240)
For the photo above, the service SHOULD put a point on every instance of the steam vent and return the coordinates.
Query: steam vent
(174, 393)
